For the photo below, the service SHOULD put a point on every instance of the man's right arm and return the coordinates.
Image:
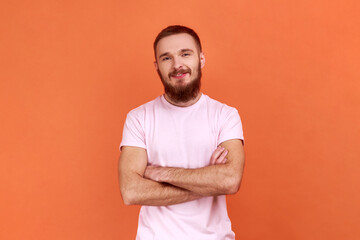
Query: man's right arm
(137, 190)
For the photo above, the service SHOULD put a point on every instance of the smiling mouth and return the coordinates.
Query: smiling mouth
(179, 75)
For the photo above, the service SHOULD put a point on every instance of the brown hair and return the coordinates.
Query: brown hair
(176, 29)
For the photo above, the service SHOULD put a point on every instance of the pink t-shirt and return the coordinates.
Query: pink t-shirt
(183, 137)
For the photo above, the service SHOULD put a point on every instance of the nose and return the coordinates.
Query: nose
(177, 63)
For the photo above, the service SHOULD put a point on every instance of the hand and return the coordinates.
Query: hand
(219, 156)
(154, 173)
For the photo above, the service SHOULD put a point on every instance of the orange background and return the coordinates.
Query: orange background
(71, 70)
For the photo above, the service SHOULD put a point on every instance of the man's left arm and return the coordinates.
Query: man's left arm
(213, 180)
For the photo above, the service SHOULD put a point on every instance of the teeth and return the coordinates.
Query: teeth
(179, 74)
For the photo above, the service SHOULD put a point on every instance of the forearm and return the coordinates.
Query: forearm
(137, 190)
(221, 177)
(207, 181)
(147, 192)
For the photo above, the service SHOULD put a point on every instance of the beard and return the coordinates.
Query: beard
(182, 93)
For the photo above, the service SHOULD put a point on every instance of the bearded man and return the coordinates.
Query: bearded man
(181, 153)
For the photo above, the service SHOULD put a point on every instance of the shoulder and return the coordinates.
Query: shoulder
(141, 111)
(219, 107)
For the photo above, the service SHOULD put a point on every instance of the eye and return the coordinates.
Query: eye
(186, 54)
(165, 59)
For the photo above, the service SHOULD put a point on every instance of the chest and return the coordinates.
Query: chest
(181, 140)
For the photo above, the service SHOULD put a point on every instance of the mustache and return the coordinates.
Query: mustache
(180, 71)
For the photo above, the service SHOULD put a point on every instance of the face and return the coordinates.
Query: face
(179, 63)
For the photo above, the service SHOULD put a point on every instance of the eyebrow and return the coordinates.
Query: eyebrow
(182, 50)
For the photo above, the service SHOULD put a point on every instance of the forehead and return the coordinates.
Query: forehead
(176, 42)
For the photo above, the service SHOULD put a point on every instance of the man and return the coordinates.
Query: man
(182, 152)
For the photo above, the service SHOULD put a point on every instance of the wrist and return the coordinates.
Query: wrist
(165, 174)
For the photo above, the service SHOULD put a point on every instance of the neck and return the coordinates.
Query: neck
(183, 104)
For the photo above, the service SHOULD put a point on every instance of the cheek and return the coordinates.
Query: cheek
(163, 72)
(162, 68)
(196, 67)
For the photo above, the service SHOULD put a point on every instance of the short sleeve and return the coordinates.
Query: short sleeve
(231, 126)
(133, 132)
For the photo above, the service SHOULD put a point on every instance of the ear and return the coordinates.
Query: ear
(202, 59)
(156, 65)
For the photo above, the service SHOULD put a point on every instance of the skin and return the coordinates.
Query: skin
(141, 184)
(175, 53)
(222, 178)
(136, 189)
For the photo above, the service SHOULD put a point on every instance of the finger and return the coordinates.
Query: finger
(216, 154)
(224, 161)
(222, 157)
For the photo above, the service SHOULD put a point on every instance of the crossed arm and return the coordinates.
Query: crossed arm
(159, 186)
